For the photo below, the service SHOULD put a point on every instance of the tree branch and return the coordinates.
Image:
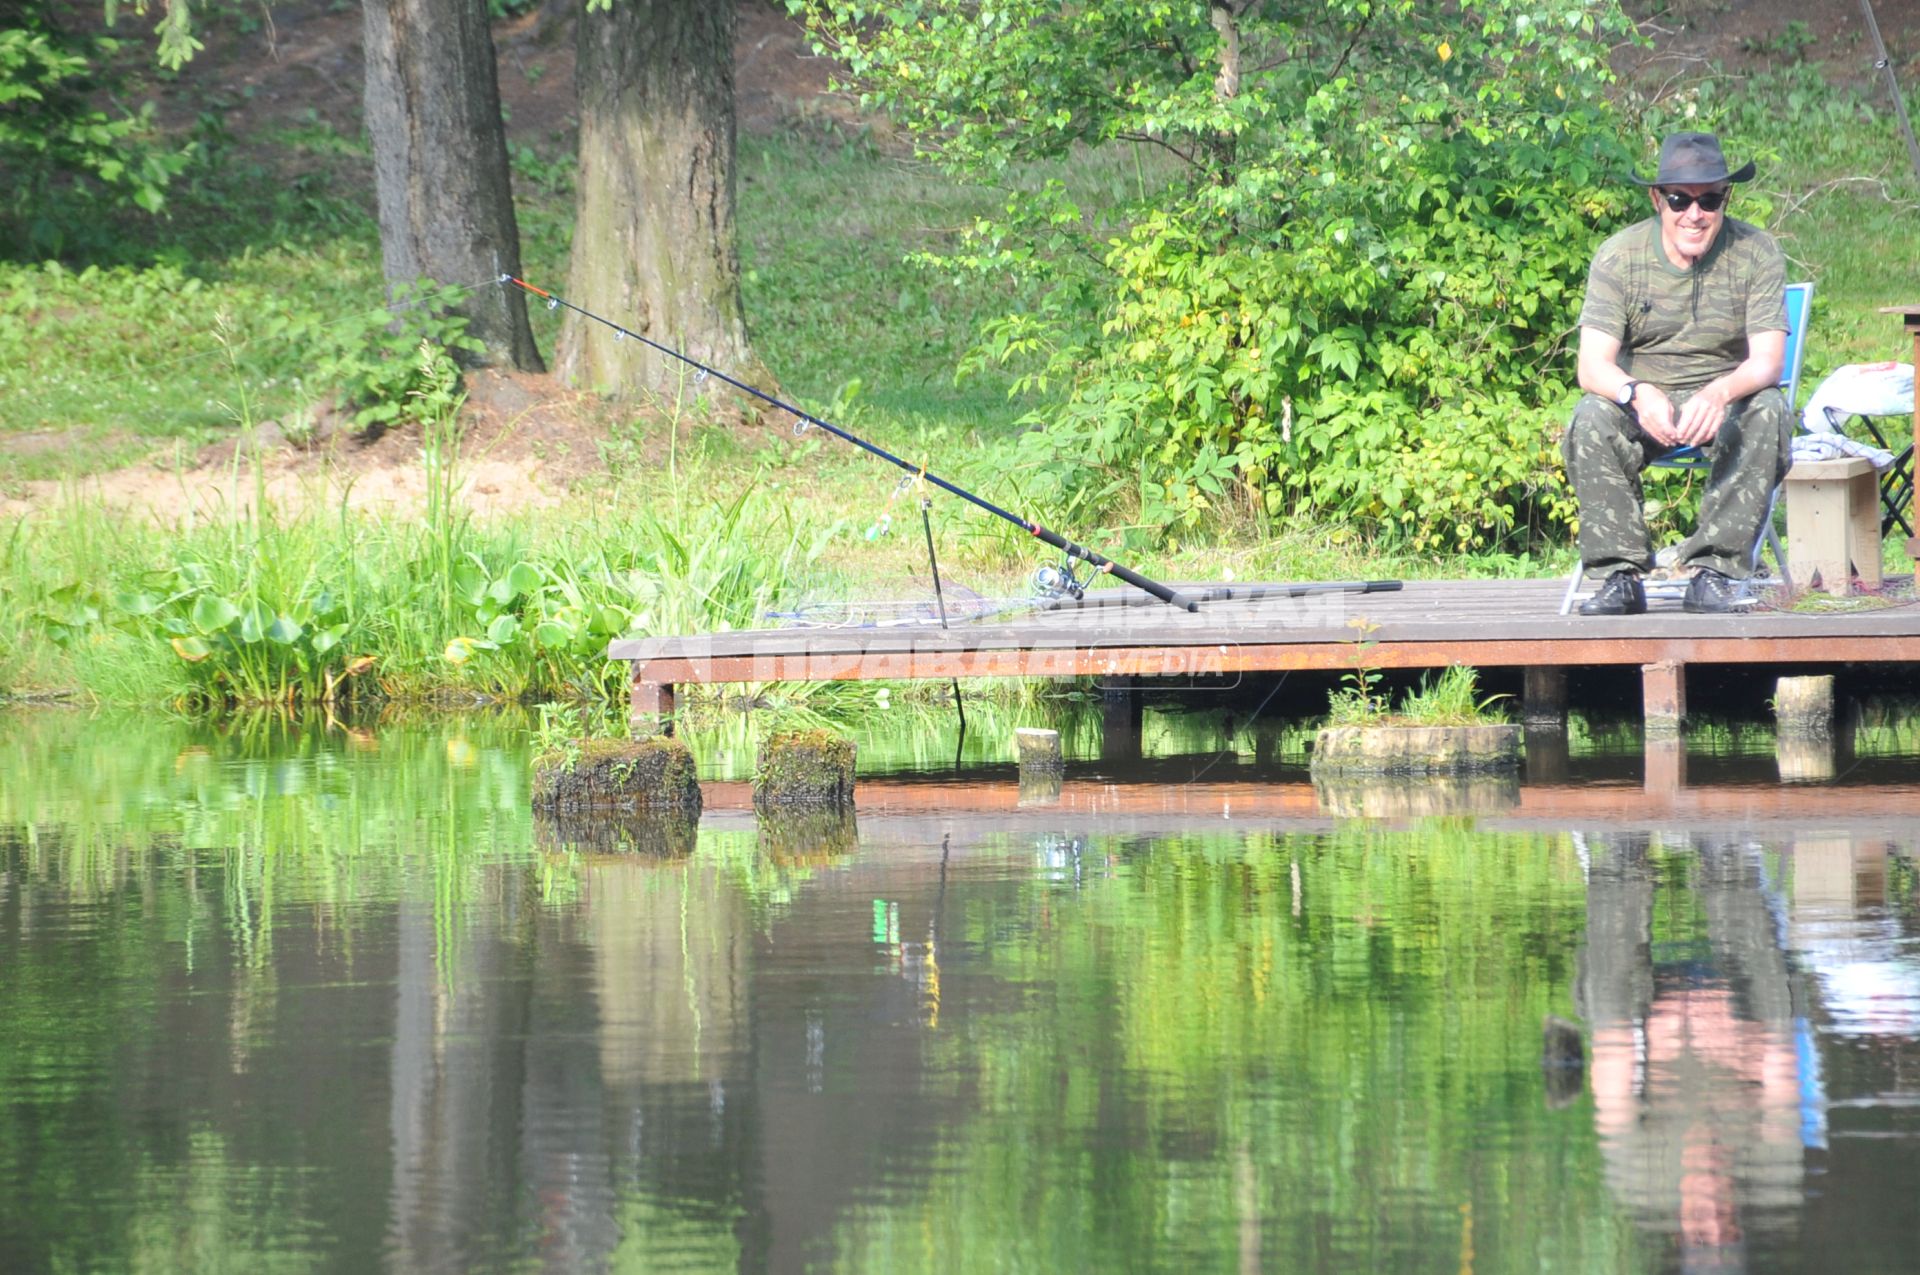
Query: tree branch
(1157, 141)
(1353, 42)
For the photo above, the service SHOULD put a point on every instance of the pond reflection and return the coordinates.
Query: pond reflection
(287, 997)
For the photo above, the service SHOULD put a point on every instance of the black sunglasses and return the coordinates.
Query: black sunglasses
(1679, 200)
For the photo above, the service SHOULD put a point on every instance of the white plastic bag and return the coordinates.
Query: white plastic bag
(1859, 389)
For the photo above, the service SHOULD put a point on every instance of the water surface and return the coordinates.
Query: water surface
(295, 998)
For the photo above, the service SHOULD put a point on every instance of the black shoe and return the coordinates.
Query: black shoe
(1621, 594)
(1711, 593)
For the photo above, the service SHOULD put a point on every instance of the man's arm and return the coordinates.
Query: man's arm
(1700, 418)
(1600, 373)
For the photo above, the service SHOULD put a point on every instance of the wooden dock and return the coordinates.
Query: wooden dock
(1429, 624)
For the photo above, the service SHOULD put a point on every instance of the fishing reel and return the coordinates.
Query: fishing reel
(1059, 582)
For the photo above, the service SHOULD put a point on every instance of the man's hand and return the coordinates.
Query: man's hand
(1655, 412)
(1701, 418)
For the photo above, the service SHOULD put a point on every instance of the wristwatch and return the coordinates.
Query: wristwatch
(1625, 396)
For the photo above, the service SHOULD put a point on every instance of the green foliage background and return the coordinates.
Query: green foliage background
(67, 161)
(1335, 288)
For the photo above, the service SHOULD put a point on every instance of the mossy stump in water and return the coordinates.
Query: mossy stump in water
(804, 768)
(617, 774)
(1391, 749)
(808, 836)
(1346, 795)
(655, 834)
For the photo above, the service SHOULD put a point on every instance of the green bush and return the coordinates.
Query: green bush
(66, 161)
(1338, 286)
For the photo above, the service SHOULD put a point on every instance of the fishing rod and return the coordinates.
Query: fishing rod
(1229, 593)
(1053, 582)
(1883, 63)
(1093, 558)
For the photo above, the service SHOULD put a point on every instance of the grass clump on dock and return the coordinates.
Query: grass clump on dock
(1448, 698)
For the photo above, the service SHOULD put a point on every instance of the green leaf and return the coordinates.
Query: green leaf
(212, 614)
(284, 630)
(503, 629)
(608, 622)
(255, 619)
(470, 583)
(523, 578)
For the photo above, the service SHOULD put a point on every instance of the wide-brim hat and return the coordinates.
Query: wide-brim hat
(1694, 159)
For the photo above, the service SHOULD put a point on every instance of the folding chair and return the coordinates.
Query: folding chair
(1799, 301)
(1896, 484)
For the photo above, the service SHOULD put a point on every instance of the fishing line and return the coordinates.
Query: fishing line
(1098, 561)
(1884, 64)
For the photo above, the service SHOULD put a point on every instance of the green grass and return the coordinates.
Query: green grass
(1450, 697)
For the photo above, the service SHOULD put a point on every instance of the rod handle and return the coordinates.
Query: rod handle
(1101, 562)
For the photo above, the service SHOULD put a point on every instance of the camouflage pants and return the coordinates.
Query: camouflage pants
(1606, 449)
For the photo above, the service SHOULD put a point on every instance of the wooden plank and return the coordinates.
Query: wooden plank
(1431, 612)
(1891, 622)
(1228, 658)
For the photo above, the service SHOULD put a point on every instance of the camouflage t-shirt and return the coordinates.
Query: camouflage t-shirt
(1682, 328)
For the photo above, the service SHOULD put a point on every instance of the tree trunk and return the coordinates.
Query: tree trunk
(654, 245)
(440, 164)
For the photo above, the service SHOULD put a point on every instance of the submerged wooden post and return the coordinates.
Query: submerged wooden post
(1121, 717)
(1666, 763)
(1543, 698)
(804, 768)
(1042, 768)
(1037, 749)
(649, 706)
(1804, 705)
(1803, 745)
(1545, 752)
(1663, 696)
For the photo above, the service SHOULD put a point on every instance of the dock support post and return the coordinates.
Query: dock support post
(1546, 753)
(1804, 705)
(1663, 696)
(1121, 717)
(1803, 723)
(1666, 764)
(649, 708)
(1037, 750)
(1543, 699)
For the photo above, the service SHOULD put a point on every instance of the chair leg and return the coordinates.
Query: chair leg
(1769, 538)
(1573, 588)
(1779, 557)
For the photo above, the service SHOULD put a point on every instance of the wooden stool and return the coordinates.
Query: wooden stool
(1833, 522)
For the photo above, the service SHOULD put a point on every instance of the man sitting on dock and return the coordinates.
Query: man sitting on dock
(1681, 341)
